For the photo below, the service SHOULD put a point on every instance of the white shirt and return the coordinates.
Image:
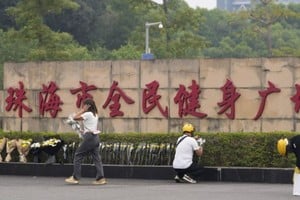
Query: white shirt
(184, 152)
(90, 122)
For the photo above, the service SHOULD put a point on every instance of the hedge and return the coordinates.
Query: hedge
(221, 149)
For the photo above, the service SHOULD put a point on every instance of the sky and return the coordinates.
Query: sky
(209, 4)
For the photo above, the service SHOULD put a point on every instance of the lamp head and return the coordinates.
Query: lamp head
(160, 25)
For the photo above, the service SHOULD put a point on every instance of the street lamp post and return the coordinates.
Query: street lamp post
(147, 55)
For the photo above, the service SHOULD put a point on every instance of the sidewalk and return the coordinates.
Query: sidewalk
(54, 188)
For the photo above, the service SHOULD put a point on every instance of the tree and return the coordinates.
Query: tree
(128, 52)
(84, 23)
(180, 36)
(264, 15)
(8, 52)
(6, 21)
(49, 45)
(286, 41)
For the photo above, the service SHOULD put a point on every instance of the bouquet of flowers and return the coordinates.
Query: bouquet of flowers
(201, 141)
(74, 125)
(10, 146)
(23, 147)
(35, 149)
(2, 145)
(51, 147)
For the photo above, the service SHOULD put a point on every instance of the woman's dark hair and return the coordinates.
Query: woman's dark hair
(92, 105)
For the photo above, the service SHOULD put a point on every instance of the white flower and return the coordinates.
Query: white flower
(35, 145)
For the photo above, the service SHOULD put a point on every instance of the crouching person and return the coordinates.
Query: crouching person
(186, 146)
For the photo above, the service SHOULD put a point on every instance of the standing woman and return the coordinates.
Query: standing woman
(90, 144)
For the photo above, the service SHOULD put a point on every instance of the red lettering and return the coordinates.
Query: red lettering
(49, 100)
(151, 99)
(230, 96)
(264, 94)
(115, 94)
(15, 100)
(84, 89)
(188, 102)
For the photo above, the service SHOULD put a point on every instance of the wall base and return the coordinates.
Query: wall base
(229, 174)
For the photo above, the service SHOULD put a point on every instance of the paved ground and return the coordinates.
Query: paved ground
(54, 188)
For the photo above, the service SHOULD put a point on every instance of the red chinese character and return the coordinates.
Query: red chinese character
(189, 102)
(16, 98)
(115, 98)
(150, 97)
(84, 90)
(264, 94)
(230, 96)
(49, 101)
(296, 98)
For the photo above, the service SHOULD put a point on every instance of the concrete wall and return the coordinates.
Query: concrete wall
(249, 76)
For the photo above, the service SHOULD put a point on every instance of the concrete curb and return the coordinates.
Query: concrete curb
(224, 174)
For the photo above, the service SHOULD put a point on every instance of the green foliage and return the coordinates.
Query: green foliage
(62, 48)
(100, 53)
(245, 150)
(126, 52)
(9, 40)
(48, 45)
(84, 23)
(28, 10)
(285, 40)
(6, 22)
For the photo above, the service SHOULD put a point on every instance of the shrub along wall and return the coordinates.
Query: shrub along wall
(220, 149)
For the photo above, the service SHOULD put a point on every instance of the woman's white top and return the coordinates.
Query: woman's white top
(90, 122)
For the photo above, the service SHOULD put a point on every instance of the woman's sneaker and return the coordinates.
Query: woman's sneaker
(71, 180)
(101, 181)
(188, 179)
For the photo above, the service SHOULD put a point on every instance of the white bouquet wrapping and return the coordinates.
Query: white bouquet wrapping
(201, 141)
(74, 125)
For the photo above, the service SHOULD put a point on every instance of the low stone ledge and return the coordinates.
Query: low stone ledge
(262, 175)
(229, 174)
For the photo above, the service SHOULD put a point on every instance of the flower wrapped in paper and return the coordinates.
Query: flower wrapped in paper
(74, 125)
(10, 147)
(35, 150)
(23, 147)
(51, 147)
(2, 145)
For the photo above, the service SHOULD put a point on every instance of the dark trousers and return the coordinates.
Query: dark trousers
(195, 171)
(89, 145)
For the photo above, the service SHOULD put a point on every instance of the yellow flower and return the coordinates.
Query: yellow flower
(51, 142)
(26, 143)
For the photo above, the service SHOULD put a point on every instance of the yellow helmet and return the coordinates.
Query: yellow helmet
(281, 146)
(188, 127)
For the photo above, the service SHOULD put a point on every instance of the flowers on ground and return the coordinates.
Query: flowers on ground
(23, 147)
(10, 146)
(2, 145)
(51, 146)
(51, 142)
(35, 145)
